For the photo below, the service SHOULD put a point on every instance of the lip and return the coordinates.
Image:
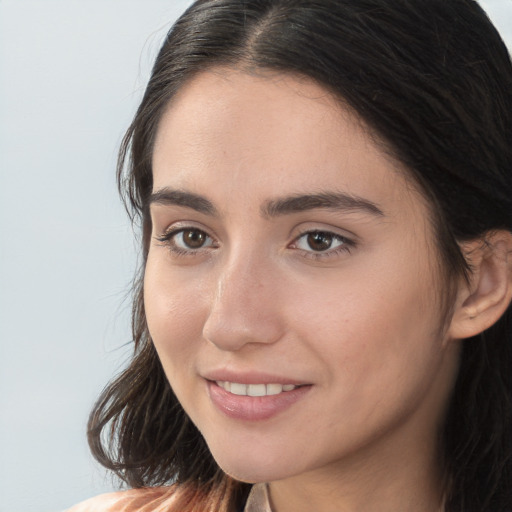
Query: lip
(254, 408)
(250, 377)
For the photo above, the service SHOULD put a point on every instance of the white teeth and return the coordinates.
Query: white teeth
(274, 389)
(254, 389)
(238, 389)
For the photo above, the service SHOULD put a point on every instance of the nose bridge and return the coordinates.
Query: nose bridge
(243, 309)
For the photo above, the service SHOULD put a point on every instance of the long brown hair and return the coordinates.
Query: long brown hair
(434, 80)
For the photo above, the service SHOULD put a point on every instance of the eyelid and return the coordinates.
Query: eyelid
(323, 226)
(181, 225)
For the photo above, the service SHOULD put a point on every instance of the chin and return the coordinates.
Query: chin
(254, 468)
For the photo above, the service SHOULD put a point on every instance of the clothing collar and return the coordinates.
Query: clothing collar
(258, 500)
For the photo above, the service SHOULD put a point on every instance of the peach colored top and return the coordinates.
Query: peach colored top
(158, 499)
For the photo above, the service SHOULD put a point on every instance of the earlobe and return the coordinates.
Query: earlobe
(482, 301)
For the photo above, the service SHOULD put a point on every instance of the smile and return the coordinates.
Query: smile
(237, 388)
(254, 402)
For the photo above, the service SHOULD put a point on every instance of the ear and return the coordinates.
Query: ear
(482, 301)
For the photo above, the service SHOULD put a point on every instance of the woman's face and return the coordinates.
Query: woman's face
(291, 287)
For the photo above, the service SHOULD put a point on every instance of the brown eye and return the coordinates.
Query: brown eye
(324, 244)
(319, 241)
(193, 238)
(187, 240)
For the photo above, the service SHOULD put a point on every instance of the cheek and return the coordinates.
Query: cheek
(174, 312)
(365, 305)
(375, 327)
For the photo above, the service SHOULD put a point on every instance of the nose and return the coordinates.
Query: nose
(244, 309)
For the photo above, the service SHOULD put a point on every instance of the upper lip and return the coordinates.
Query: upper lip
(250, 377)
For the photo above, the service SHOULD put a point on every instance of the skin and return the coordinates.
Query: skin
(359, 322)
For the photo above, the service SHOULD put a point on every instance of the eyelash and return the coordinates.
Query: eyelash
(346, 245)
(168, 239)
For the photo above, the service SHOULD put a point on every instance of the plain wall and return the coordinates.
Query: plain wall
(71, 75)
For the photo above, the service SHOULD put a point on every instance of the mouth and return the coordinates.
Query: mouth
(254, 401)
(240, 389)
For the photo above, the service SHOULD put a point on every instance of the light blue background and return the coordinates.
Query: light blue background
(71, 75)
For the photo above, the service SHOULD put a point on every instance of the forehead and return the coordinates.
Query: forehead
(229, 133)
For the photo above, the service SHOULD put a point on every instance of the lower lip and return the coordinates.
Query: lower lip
(253, 408)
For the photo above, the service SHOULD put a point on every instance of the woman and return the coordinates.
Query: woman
(325, 193)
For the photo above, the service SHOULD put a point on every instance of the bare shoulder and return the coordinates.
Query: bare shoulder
(154, 499)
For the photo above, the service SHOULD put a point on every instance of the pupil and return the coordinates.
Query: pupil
(194, 238)
(319, 241)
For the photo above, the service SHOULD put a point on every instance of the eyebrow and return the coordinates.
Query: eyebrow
(168, 196)
(327, 201)
(273, 207)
